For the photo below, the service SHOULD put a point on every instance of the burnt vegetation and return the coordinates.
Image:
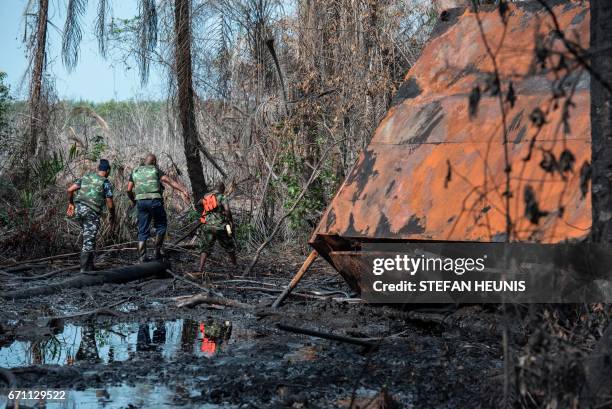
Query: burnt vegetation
(278, 100)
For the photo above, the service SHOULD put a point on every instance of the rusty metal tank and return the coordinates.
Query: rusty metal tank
(435, 171)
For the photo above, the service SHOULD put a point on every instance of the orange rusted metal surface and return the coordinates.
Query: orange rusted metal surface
(434, 172)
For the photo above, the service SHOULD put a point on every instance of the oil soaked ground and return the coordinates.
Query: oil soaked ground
(147, 353)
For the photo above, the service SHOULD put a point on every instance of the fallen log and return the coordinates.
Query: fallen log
(119, 275)
(294, 282)
(193, 300)
(326, 335)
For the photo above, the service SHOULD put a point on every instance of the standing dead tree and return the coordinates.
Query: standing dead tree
(184, 76)
(37, 127)
(601, 120)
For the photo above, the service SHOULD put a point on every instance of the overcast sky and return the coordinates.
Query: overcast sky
(94, 78)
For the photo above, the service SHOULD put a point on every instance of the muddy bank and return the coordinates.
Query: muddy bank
(146, 352)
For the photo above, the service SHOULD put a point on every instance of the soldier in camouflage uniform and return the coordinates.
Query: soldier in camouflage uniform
(87, 198)
(217, 225)
(145, 189)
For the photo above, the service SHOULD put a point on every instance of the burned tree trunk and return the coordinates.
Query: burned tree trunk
(36, 82)
(601, 121)
(597, 366)
(182, 51)
(116, 276)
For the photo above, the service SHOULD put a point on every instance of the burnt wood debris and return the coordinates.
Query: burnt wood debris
(329, 129)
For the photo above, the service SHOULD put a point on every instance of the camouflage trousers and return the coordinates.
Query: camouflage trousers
(90, 224)
(208, 235)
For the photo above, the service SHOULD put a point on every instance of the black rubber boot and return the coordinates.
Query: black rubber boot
(142, 252)
(159, 247)
(84, 261)
(90, 261)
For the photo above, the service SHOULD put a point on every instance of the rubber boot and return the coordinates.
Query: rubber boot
(84, 261)
(142, 252)
(90, 261)
(159, 247)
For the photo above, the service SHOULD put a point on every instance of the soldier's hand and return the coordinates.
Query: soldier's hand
(70, 211)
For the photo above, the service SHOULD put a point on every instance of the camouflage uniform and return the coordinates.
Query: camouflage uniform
(214, 228)
(90, 224)
(147, 182)
(148, 191)
(89, 203)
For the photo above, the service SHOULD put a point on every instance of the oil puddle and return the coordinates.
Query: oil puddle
(123, 396)
(68, 344)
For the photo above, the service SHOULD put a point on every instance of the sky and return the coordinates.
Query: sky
(94, 78)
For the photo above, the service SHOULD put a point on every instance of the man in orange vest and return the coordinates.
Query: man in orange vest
(217, 225)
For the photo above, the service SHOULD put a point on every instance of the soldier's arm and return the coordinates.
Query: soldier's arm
(73, 188)
(110, 204)
(130, 192)
(175, 185)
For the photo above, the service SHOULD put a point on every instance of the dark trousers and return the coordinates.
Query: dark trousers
(151, 209)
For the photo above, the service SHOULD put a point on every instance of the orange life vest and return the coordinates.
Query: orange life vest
(209, 203)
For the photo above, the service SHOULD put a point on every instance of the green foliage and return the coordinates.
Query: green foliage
(5, 105)
(73, 152)
(4, 218)
(96, 148)
(307, 211)
(45, 170)
(244, 232)
(122, 26)
(26, 198)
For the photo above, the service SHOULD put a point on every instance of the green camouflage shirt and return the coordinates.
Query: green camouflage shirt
(217, 219)
(93, 191)
(147, 182)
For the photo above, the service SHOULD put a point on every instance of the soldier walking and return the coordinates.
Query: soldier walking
(145, 189)
(93, 191)
(217, 225)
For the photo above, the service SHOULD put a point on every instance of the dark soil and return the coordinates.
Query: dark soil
(146, 352)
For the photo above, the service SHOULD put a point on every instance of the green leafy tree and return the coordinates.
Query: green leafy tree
(5, 104)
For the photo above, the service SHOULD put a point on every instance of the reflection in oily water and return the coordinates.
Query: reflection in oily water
(120, 342)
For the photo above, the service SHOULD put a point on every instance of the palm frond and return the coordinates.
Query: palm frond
(72, 35)
(147, 36)
(101, 25)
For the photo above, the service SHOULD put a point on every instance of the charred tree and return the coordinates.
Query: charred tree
(186, 103)
(598, 364)
(37, 127)
(601, 121)
(119, 275)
